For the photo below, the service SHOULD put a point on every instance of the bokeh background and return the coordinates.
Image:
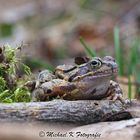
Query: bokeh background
(49, 31)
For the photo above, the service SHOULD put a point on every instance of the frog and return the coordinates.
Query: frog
(89, 80)
(44, 76)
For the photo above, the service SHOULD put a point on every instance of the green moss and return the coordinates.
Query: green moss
(2, 84)
(21, 95)
(11, 87)
(9, 53)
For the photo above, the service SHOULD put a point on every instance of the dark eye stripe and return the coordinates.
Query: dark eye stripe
(66, 71)
(100, 61)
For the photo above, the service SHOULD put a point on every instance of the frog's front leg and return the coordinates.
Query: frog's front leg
(115, 92)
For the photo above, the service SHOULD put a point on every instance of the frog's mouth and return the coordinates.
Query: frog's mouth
(109, 71)
(100, 73)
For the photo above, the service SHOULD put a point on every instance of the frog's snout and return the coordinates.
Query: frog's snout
(113, 66)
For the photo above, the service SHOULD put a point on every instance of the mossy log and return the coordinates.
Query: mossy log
(81, 111)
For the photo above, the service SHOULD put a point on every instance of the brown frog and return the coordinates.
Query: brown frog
(88, 80)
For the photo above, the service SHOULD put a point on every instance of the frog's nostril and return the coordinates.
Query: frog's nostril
(111, 66)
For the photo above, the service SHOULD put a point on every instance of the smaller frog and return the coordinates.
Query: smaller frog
(87, 80)
(44, 76)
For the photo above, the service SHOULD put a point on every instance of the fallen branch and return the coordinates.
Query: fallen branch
(81, 111)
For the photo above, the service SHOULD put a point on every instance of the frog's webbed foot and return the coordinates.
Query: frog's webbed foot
(115, 92)
(38, 95)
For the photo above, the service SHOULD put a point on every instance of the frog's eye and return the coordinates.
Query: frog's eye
(96, 63)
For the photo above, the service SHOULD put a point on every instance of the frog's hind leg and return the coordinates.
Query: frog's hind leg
(115, 92)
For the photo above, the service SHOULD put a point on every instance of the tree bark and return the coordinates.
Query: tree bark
(80, 112)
